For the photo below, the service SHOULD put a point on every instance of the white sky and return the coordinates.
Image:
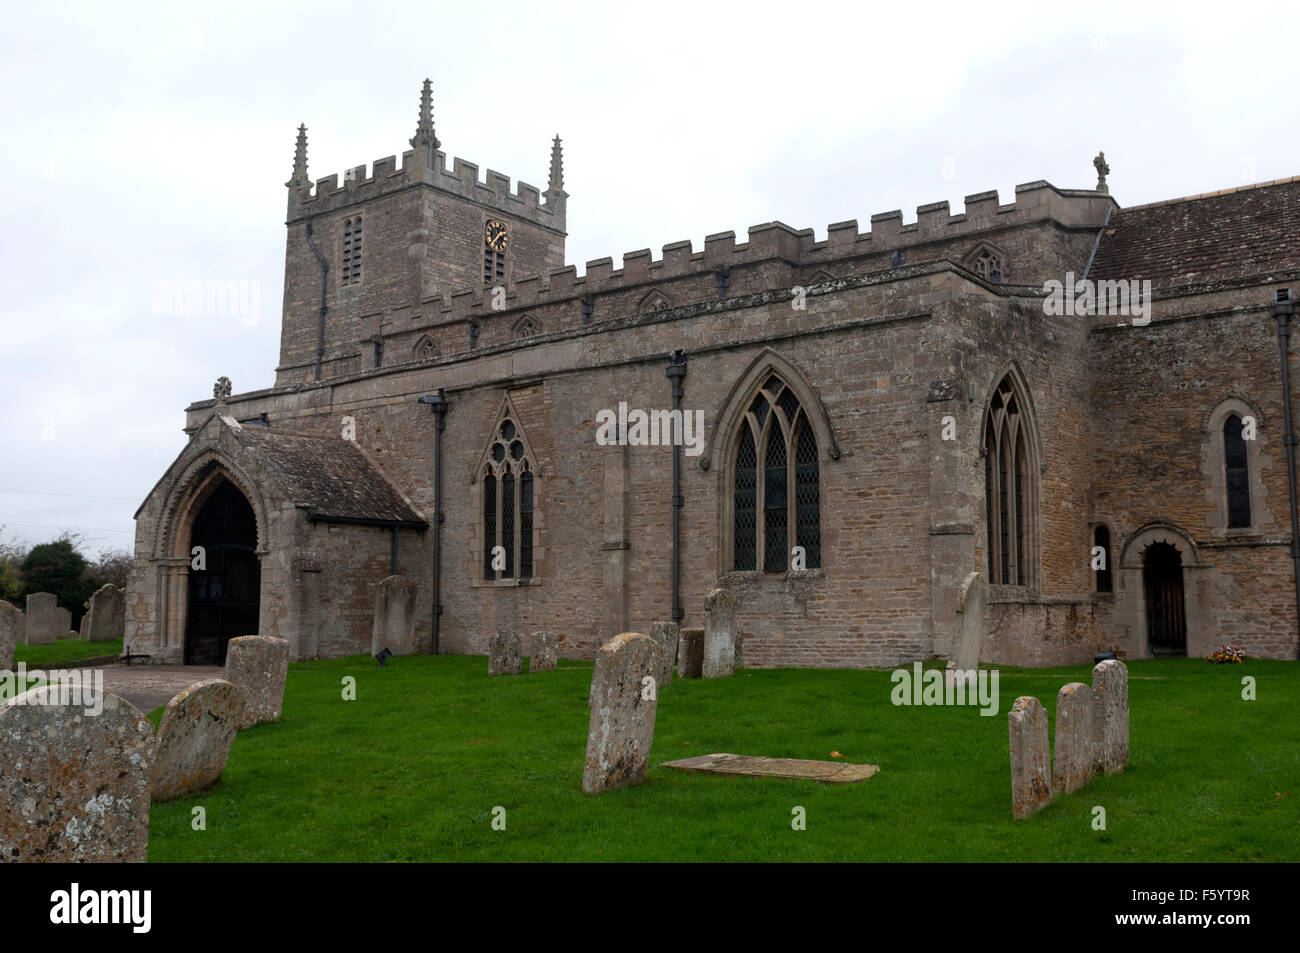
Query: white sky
(145, 142)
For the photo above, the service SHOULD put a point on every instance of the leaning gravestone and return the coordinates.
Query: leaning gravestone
(43, 619)
(75, 787)
(83, 631)
(198, 727)
(107, 614)
(11, 633)
(690, 653)
(503, 653)
(1031, 763)
(1110, 688)
(971, 602)
(63, 624)
(257, 665)
(622, 725)
(719, 634)
(1074, 760)
(394, 624)
(666, 635)
(542, 656)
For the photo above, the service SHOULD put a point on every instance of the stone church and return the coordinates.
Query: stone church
(884, 412)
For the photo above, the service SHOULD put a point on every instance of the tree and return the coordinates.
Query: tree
(12, 555)
(57, 567)
(113, 565)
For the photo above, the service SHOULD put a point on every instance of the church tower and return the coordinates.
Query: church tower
(377, 254)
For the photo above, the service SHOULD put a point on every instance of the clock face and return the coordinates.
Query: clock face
(494, 234)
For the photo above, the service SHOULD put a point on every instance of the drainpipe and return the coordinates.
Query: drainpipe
(324, 271)
(439, 404)
(1282, 310)
(675, 371)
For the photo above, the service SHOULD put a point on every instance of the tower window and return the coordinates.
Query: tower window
(989, 267)
(351, 271)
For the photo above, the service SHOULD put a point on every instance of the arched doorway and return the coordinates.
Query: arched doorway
(1162, 577)
(225, 593)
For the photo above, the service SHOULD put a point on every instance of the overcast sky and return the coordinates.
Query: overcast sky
(150, 143)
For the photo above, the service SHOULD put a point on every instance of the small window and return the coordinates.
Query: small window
(1101, 541)
(989, 267)
(351, 271)
(1237, 470)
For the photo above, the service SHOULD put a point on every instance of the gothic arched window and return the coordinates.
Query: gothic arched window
(776, 483)
(351, 272)
(988, 266)
(1009, 488)
(508, 481)
(1237, 471)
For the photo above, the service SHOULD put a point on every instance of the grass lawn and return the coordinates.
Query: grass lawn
(413, 768)
(63, 651)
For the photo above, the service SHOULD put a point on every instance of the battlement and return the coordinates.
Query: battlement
(527, 202)
(1035, 202)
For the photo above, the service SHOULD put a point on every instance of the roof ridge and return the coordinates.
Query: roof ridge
(1206, 195)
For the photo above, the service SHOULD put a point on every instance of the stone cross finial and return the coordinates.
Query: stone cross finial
(221, 389)
(299, 177)
(424, 135)
(1103, 170)
(556, 183)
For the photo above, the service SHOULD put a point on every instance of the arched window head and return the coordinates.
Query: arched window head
(1237, 471)
(425, 348)
(1101, 558)
(1010, 488)
(527, 327)
(508, 474)
(654, 301)
(776, 484)
(351, 271)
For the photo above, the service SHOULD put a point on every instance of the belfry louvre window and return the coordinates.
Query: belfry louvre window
(776, 483)
(351, 271)
(1009, 489)
(1237, 470)
(508, 494)
(989, 267)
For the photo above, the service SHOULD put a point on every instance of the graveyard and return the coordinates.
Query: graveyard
(419, 764)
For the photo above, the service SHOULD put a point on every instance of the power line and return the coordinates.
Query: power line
(87, 496)
(84, 529)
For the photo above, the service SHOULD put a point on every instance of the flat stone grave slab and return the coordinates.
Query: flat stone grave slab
(829, 772)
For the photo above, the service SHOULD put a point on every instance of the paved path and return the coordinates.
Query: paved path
(148, 686)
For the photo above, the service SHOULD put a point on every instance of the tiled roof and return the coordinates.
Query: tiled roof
(331, 476)
(1239, 233)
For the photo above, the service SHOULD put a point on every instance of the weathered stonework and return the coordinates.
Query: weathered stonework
(1031, 762)
(542, 656)
(665, 634)
(719, 634)
(258, 665)
(971, 603)
(12, 626)
(394, 627)
(1110, 721)
(75, 787)
(504, 653)
(44, 623)
(194, 739)
(107, 614)
(1074, 759)
(622, 724)
(690, 653)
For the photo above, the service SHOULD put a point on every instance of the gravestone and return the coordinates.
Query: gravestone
(83, 631)
(622, 724)
(198, 727)
(503, 653)
(1031, 765)
(719, 634)
(12, 626)
(257, 665)
(972, 600)
(394, 623)
(666, 635)
(1073, 760)
(107, 614)
(75, 787)
(690, 653)
(63, 624)
(1110, 688)
(42, 619)
(542, 656)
